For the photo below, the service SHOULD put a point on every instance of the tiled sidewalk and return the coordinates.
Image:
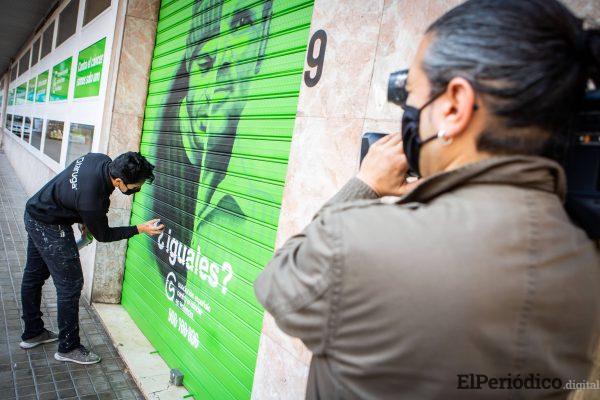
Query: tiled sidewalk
(34, 374)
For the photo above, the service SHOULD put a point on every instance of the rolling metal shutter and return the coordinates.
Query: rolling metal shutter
(219, 117)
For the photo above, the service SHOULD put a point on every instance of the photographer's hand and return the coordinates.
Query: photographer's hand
(385, 168)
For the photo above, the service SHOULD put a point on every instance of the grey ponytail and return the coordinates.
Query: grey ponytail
(529, 60)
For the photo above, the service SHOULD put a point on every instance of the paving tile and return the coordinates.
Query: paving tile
(48, 396)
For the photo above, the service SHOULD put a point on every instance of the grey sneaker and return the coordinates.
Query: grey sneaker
(44, 337)
(80, 355)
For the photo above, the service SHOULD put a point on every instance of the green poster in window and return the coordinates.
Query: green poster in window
(11, 97)
(59, 85)
(31, 91)
(21, 93)
(89, 70)
(219, 118)
(41, 87)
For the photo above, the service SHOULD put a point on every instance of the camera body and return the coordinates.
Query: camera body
(582, 166)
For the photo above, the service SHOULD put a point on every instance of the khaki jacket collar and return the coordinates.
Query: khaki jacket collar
(530, 172)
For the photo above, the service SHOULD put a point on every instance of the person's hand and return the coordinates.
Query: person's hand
(83, 229)
(385, 168)
(150, 227)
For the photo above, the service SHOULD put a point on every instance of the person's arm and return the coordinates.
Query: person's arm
(354, 189)
(298, 286)
(97, 224)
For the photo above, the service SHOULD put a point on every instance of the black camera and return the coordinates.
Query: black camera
(582, 165)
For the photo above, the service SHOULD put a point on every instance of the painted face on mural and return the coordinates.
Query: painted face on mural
(226, 44)
(231, 39)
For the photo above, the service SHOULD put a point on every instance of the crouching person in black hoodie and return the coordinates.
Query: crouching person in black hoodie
(79, 194)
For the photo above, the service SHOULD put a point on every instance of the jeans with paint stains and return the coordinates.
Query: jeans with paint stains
(51, 250)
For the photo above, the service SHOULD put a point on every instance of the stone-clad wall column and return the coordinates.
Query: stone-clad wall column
(136, 28)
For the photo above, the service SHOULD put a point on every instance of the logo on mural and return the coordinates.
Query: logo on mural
(170, 285)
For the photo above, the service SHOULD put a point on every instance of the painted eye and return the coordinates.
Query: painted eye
(245, 20)
(205, 63)
(242, 19)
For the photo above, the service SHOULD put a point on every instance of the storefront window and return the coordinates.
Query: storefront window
(21, 94)
(31, 91)
(93, 9)
(26, 129)
(53, 141)
(17, 125)
(24, 63)
(80, 141)
(8, 121)
(35, 52)
(47, 40)
(36, 133)
(67, 22)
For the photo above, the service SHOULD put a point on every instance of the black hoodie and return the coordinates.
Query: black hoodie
(80, 194)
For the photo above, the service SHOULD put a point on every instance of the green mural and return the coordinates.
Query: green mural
(59, 84)
(41, 87)
(31, 91)
(89, 70)
(11, 97)
(218, 123)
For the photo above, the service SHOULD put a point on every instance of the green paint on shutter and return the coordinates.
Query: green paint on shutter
(219, 118)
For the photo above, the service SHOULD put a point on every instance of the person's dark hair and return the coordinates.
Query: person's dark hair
(131, 167)
(528, 60)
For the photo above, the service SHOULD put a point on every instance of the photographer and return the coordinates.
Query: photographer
(477, 269)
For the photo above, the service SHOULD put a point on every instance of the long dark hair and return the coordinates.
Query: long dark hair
(530, 60)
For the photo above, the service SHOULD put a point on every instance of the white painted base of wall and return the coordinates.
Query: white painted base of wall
(147, 368)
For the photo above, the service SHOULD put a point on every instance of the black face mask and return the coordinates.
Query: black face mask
(411, 140)
(129, 192)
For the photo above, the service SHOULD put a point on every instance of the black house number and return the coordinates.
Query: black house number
(316, 63)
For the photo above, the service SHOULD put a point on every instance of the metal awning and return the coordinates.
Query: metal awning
(18, 21)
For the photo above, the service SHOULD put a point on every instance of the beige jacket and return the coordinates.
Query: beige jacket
(478, 271)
